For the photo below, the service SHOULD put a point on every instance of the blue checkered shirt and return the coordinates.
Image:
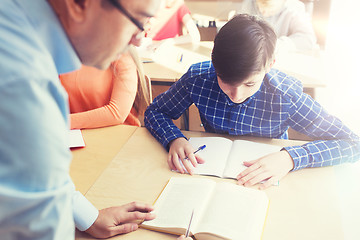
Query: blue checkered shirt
(279, 104)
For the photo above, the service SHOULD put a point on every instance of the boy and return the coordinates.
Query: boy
(239, 94)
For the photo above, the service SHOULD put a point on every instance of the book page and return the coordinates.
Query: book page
(177, 201)
(243, 150)
(235, 212)
(215, 154)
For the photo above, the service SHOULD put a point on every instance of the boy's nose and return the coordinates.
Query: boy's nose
(236, 94)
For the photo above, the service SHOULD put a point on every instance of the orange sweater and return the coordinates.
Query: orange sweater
(97, 98)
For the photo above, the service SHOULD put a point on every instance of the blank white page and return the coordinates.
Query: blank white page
(243, 150)
(215, 154)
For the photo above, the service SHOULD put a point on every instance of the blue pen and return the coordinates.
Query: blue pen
(200, 148)
(197, 150)
(181, 57)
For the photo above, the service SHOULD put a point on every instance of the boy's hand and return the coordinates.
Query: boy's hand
(179, 149)
(270, 169)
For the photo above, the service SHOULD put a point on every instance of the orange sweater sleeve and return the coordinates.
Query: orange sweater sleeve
(122, 97)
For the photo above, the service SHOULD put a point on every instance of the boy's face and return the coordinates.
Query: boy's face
(239, 93)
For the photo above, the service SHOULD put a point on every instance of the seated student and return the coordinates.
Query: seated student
(239, 93)
(100, 98)
(291, 23)
(172, 18)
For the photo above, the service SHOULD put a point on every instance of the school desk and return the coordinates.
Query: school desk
(304, 206)
(102, 145)
(170, 62)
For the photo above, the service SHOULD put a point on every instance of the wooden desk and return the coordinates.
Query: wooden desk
(102, 145)
(304, 206)
(308, 67)
(167, 68)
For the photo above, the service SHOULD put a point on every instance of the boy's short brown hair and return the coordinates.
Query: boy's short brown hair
(243, 46)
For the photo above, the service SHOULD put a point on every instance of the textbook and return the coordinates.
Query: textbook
(222, 210)
(225, 158)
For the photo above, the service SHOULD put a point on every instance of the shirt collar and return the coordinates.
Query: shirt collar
(52, 34)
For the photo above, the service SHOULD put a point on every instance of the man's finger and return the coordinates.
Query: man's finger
(136, 206)
(124, 228)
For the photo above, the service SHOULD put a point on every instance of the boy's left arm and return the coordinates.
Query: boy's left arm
(335, 142)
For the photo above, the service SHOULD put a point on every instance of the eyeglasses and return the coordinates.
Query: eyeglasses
(116, 4)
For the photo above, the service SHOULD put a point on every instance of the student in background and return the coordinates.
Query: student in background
(239, 93)
(39, 40)
(291, 23)
(100, 98)
(173, 22)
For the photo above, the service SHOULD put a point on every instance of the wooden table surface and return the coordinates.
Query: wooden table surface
(304, 206)
(102, 145)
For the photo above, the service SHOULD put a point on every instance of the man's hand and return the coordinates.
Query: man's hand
(180, 149)
(270, 169)
(119, 220)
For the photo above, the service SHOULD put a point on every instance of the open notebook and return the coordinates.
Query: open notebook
(224, 158)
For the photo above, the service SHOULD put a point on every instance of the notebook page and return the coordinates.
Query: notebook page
(215, 154)
(243, 150)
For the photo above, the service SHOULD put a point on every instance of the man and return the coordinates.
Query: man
(39, 40)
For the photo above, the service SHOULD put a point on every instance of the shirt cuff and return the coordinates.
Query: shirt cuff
(299, 155)
(84, 212)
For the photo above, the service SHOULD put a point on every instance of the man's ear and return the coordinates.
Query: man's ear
(77, 9)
